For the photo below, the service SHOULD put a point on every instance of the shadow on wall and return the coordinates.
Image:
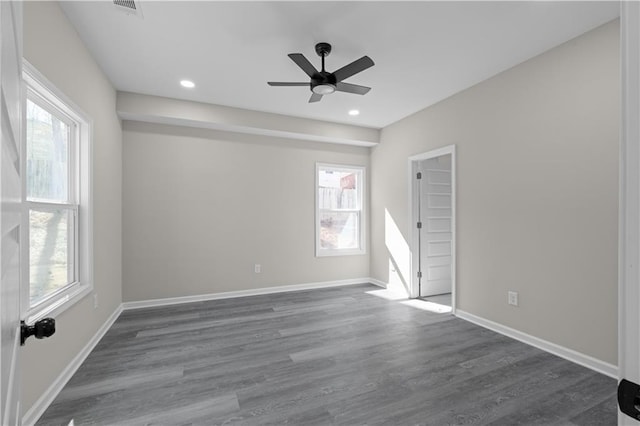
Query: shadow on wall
(399, 257)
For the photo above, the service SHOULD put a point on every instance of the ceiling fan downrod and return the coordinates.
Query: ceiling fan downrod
(323, 50)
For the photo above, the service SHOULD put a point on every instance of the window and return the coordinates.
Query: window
(339, 212)
(57, 248)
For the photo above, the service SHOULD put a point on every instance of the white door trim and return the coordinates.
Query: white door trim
(413, 219)
(629, 211)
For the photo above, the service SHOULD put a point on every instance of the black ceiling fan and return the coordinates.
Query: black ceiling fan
(323, 82)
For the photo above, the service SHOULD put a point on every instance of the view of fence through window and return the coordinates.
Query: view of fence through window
(339, 208)
(48, 196)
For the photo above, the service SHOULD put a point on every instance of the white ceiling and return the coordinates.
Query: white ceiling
(424, 51)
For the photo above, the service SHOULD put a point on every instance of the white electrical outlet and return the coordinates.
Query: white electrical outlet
(258, 268)
(95, 301)
(513, 298)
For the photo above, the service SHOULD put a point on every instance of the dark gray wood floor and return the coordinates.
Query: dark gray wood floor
(331, 356)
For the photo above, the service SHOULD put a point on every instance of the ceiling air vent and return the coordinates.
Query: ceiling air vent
(130, 7)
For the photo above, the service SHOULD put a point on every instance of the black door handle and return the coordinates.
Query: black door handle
(629, 398)
(41, 329)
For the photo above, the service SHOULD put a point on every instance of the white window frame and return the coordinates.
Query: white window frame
(320, 251)
(39, 88)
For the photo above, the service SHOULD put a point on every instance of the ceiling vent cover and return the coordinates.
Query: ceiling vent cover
(130, 7)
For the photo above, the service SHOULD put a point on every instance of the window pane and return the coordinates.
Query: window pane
(47, 155)
(339, 230)
(338, 190)
(50, 260)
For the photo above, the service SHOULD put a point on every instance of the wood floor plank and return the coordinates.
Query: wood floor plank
(556, 408)
(337, 356)
(200, 410)
(598, 415)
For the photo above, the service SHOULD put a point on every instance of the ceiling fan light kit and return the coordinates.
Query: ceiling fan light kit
(323, 82)
(323, 89)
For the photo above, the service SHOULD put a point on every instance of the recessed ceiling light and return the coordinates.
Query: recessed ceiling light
(354, 112)
(188, 84)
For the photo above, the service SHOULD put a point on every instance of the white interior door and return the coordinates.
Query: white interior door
(11, 216)
(436, 238)
(629, 250)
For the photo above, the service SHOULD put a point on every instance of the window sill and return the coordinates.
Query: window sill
(332, 253)
(57, 307)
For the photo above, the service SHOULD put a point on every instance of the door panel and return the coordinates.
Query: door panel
(438, 225)
(11, 213)
(629, 275)
(439, 248)
(439, 201)
(436, 235)
(439, 272)
(437, 176)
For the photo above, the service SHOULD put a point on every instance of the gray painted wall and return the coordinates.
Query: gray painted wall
(537, 149)
(201, 207)
(54, 48)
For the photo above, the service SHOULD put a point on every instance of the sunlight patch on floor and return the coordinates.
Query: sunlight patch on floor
(388, 294)
(427, 306)
(400, 296)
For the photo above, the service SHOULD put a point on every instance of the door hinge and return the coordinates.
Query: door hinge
(419, 274)
(419, 175)
(629, 398)
(419, 225)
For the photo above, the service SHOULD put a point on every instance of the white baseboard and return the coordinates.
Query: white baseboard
(566, 353)
(241, 293)
(378, 282)
(39, 407)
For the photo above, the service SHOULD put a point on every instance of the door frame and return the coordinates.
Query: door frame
(413, 233)
(629, 210)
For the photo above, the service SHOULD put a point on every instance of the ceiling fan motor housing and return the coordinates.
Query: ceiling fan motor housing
(326, 81)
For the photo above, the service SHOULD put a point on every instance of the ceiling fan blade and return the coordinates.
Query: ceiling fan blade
(352, 88)
(280, 83)
(303, 63)
(315, 97)
(353, 68)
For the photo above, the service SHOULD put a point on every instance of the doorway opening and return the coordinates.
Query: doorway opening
(432, 207)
